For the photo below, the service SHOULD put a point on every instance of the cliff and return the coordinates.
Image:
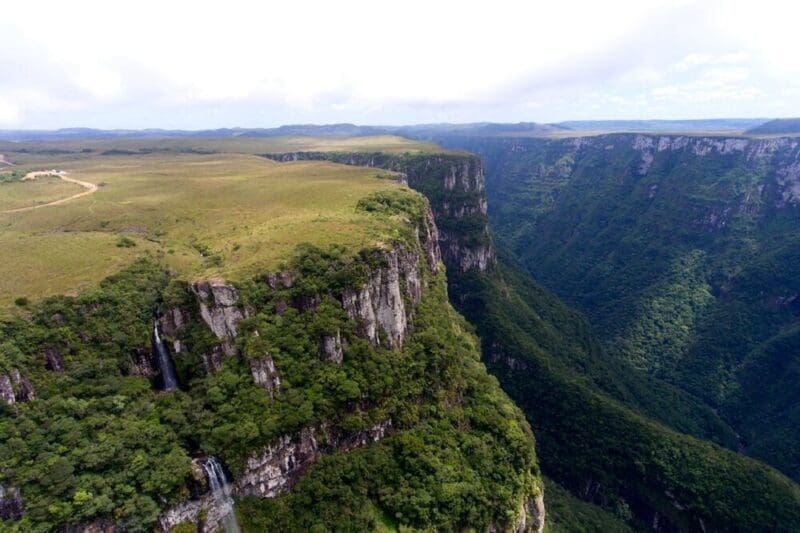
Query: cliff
(344, 369)
(381, 301)
(682, 251)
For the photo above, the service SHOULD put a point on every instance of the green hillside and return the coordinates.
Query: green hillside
(683, 254)
(611, 434)
(317, 358)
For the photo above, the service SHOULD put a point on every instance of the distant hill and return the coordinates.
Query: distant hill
(484, 129)
(778, 126)
(727, 125)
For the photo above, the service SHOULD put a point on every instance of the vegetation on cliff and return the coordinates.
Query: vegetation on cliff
(682, 252)
(95, 441)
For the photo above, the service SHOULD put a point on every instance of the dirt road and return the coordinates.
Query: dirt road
(90, 188)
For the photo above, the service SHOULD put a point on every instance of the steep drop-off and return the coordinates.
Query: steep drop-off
(343, 379)
(683, 252)
(588, 410)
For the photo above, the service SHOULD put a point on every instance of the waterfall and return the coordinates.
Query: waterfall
(221, 492)
(170, 381)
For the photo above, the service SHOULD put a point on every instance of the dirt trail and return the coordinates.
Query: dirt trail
(4, 161)
(90, 188)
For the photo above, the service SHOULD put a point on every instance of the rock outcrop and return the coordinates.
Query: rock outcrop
(272, 471)
(7, 390)
(265, 374)
(531, 514)
(14, 387)
(221, 310)
(172, 323)
(378, 305)
(53, 360)
(98, 526)
(331, 348)
(11, 506)
(142, 364)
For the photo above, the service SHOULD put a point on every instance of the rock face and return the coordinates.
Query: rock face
(98, 526)
(142, 364)
(265, 374)
(331, 348)
(455, 187)
(532, 515)
(378, 305)
(6, 390)
(219, 307)
(11, 506)
(53, 360)
(272, 471)
(278, 467)
(14, 387)
(172, 323)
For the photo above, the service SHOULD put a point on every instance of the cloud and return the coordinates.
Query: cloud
(203, 64)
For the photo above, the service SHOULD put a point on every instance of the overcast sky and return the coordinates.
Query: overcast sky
(197, 64)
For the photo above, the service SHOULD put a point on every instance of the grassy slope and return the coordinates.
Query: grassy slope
(165, 201)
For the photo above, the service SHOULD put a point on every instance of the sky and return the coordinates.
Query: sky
(195, 65)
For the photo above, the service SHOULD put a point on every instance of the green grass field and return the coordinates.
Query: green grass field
(42, 190)
(227, 214)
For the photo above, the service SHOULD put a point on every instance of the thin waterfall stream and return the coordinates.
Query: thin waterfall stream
(164, 361)
(221, 491)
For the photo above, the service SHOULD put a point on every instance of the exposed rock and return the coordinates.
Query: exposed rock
(220, 310)
(372, 434)
(281, 306)
(172, 321)
(265, 374)
(53, 360)
(497, 355)
(331, 348)
(269, 473)
(532, 515)
(466, 258)
(281, 280)
(11, 506)
(7, 390)
(98, 526)
(307, 303)
(278, 467)
(190, 512)
(409, 271)
(142, 364)
(23, 386)
(428, 234)
(788, 179)
(379, 303)
(202, 510)
(213, 361)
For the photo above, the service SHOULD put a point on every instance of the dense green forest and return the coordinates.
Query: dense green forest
(631, 445)
(595, 445)
(91, 438)
(683, 254)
